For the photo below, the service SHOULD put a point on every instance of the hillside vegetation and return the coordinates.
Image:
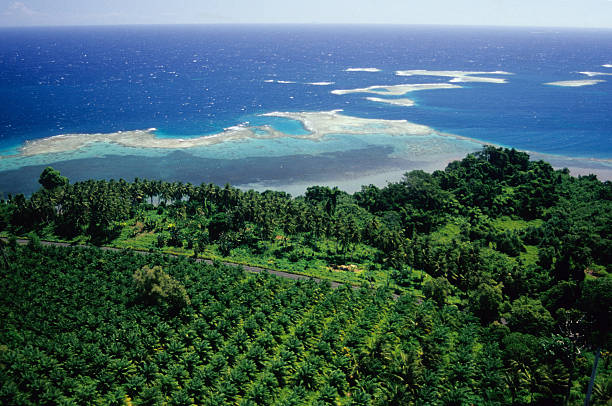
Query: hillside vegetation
(502, 267)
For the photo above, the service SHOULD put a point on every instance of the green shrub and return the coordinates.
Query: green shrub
(156, 285)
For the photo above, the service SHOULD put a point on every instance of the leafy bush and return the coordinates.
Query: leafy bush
(156, 285)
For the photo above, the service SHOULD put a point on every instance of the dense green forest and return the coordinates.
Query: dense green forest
(486, 283)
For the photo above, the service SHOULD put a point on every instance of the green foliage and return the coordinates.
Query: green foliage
(596, 301)
(51, 179)
(514, 256)
(156, 285)
(437, 289)
(486, 302)
(34, 241)
(247, 338)
(529, 316)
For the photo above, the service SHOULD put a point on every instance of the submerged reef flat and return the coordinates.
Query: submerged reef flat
(396, 90)
(318, 125)
(395, 102)
(457, 75)
(353, 151)
(134, 139)
(575, 83)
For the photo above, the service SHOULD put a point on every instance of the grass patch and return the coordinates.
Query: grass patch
(450, 231)
(530, 256)
(507, 223)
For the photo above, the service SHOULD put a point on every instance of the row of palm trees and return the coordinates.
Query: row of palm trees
(80, 334)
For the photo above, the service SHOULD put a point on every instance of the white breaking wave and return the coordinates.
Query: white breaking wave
(397, 90)
(465, 79)
(278, 81)
(575, 83)
(362, 70)
(395, 102)
(291, 81)
(591, 74)
(457, 75)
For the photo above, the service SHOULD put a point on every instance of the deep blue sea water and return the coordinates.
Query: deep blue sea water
(192, 80)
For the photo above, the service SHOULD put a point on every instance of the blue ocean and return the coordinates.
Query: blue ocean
(546, 91)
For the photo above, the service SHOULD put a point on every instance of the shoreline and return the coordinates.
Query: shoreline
(292, 174)
(348, 184)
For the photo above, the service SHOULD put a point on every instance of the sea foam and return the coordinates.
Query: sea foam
(575, 83)
(457, 75)
(395, 102)
(362, 70)
(592, 74)
(396, 90)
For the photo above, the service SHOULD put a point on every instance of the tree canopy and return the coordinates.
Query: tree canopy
(485, 283)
